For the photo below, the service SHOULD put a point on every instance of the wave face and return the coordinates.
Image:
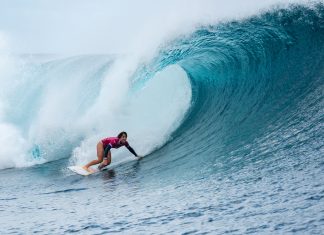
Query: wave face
(257, 90)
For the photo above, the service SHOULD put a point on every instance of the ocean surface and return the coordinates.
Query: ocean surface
(229, 117)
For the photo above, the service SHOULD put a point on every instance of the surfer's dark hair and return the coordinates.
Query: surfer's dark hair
(121, 134)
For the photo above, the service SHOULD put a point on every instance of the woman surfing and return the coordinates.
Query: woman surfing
(104, 153)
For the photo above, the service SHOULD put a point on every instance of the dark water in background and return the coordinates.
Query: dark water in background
(248, 157)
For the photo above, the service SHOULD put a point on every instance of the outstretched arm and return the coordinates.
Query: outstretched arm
(131, 150)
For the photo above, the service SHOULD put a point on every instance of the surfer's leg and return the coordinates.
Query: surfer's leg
(106, 159)
(100, 154)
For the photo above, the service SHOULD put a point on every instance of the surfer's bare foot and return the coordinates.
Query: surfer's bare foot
(87, 169)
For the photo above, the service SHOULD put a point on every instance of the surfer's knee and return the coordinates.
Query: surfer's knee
(106, 161)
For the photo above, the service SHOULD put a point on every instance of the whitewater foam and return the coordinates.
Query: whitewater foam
(69, 108)
(150, 115)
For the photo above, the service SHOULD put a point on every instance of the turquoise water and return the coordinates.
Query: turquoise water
(235, 148)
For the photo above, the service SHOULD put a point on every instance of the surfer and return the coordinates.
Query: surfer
(103, 150)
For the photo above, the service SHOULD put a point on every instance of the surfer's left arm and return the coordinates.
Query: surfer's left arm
(132, 151)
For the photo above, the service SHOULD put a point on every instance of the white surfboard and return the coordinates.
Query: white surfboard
(79, 170)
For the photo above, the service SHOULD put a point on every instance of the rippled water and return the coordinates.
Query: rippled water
(281, 195)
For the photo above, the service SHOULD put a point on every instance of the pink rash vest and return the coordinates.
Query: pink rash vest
(113, 142)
